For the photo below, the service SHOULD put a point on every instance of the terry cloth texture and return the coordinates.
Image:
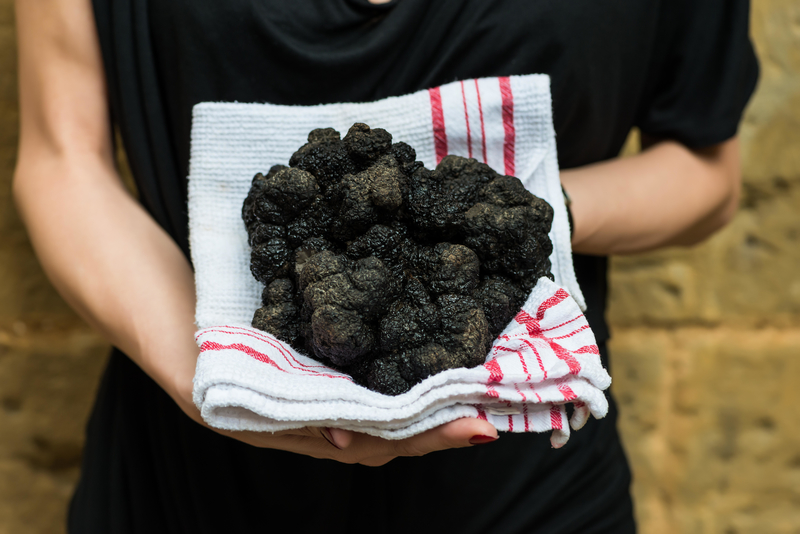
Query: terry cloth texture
(240, 384)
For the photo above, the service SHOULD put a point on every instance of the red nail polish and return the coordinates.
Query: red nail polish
(480, 438)
(327, 435)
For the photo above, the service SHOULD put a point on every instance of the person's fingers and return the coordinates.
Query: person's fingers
(377, 461)
(352, 447)
(340, 438)
(456, 434)
(370, 450)
(470, 429)
(337, 437)
(315, 445)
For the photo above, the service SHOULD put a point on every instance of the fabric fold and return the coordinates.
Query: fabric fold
(547, 356)
(248, 380)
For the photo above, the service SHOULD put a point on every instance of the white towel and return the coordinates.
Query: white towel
(246, 379)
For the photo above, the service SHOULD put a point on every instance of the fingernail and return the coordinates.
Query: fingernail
(480, 438)
(327, 435)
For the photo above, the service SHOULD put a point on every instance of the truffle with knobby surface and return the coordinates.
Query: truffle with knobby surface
(387, 270)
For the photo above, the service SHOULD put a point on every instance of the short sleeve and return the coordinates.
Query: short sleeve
(703, 72)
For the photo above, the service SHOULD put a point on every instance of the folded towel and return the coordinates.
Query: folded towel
(246, 379)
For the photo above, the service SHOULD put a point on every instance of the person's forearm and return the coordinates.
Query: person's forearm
(666, 195)
(110, 260)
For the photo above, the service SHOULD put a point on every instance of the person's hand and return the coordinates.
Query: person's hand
(346, 446)
(354, 447)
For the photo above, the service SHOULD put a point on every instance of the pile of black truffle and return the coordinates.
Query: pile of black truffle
(384, 269)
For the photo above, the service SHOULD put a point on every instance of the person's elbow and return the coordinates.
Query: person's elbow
(34, 174)
(723, 192)
(730, 196)
(23, 183)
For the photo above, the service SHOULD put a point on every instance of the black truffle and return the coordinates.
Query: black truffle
(384, 269)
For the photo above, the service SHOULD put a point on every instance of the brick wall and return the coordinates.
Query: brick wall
(705, 349)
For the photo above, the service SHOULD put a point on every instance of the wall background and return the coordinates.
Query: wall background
(706, 348)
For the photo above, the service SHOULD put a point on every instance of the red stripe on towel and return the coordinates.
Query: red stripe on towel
(524, 408)
(549, 303)
(466, 119)
(483, 127)
(525, 416)
(481, 413)
(274, 343)
(241, 347)
(529, 322)
(555, 418)
(260, 356)
(524, 366)
(581, 329)
(437, 116)
(565, 355)
(508, 124)
(565, 323)
(538, 398)
(519, 355)
(567, 392)
(495, 373)
(538, 358)
(261, 336)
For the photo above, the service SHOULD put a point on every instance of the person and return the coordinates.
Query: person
(681, 71)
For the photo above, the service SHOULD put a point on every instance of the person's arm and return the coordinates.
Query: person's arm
(107, 257)
(666, 195)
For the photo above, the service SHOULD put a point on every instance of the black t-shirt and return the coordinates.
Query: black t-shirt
(679, 69)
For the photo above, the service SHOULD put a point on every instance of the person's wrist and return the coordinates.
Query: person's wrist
(172, 366)
(180, 389)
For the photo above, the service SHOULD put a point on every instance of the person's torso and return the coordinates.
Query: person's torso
(308, 52)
